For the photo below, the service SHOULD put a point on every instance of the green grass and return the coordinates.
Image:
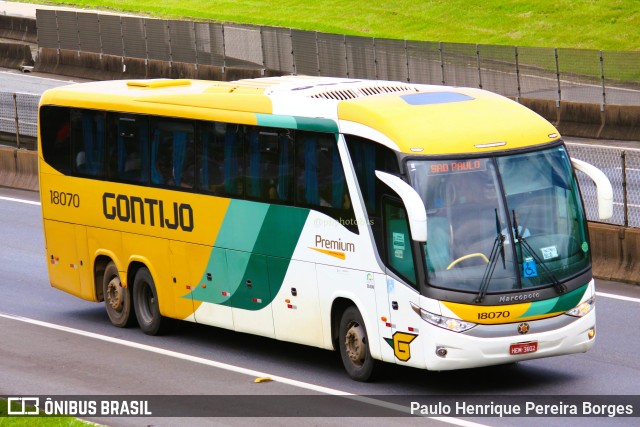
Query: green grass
(33, 421)
(585, 24)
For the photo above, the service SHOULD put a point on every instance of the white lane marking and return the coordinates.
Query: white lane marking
(620, 297)
(233, 368)
(11, 199)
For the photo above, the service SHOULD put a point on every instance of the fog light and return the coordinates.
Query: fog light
(441, 352)
(592, 333)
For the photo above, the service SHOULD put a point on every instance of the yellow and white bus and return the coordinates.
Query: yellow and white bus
(297, 208)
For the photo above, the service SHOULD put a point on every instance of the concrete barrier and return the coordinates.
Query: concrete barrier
(614, 251)
(18, 28)
(621, 122)
(15, 55)
(580, 119)
(18, 168)
(104, 67)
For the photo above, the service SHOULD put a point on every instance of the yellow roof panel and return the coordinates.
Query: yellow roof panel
(449, 121)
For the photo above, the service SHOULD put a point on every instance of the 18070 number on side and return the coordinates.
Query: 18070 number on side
(64, 198)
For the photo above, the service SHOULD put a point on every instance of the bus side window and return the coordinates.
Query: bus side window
(367, 157)
(173, 161)
(55, 130)
(128, 157)
(88, 136)
(398, 241)
(320, 179)
(269, 164)
(233, 154)
(210, 157)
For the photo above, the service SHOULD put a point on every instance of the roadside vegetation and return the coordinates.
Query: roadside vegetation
(584, 24)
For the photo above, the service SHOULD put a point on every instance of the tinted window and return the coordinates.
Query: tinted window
(320, 180)
(173, 158)
(55, 132)
(398, 241)
(88, 139)
(269, 164)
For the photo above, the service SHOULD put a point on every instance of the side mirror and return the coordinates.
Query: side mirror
(603, 187)
(412, 202)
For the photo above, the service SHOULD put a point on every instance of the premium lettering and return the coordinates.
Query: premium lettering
(336, 245)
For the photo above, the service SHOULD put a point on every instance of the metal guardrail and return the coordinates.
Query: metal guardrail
(590, 76)
(18, 117)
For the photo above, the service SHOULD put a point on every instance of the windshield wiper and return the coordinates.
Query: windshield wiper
(560, 288)
(497, 249)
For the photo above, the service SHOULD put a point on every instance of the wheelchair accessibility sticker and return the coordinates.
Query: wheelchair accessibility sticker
(529, 269)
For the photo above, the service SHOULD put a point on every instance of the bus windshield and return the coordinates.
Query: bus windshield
(503, 223)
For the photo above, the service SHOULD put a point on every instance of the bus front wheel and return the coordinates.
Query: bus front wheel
(117, 299)
(145, 300)
(354, 346)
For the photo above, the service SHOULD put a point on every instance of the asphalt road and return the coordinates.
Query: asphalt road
(46, 359)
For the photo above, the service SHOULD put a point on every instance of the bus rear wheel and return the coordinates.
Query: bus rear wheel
(145, 300)
(353, 342)
(117, 299)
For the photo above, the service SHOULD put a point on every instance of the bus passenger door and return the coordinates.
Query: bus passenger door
(406, 324)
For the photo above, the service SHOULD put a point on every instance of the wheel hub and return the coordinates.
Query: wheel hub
(114, 293)
(354, 343)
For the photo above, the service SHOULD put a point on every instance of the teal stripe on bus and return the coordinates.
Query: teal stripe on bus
(559, 304)
(249, 270)
(294, 122)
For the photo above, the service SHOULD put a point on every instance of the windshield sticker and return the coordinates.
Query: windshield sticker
(585, 247)
(399, 253)
(398, 240)
(549, 252)
(529, 269)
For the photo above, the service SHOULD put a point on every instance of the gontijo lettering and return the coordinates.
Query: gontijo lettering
(138, 210)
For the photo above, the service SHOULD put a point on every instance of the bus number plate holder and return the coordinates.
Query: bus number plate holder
(523, 348)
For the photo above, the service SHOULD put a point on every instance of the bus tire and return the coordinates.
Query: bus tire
(147, 308)
(117, 299)
(353, 343)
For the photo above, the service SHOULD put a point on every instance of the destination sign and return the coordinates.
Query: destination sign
(457, 166)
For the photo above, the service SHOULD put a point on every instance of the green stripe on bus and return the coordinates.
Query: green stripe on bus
(294, 122)
(569, 300)
(556, 305)
(241, 225)
(249, 270)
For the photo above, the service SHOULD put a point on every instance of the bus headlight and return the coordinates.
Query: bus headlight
(583, 308)
(444, 322)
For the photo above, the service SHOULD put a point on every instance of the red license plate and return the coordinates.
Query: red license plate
(523, 348)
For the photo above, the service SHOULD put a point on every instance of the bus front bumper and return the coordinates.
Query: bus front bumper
(446, 350)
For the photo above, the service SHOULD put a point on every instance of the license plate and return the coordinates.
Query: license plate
(523, 348)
